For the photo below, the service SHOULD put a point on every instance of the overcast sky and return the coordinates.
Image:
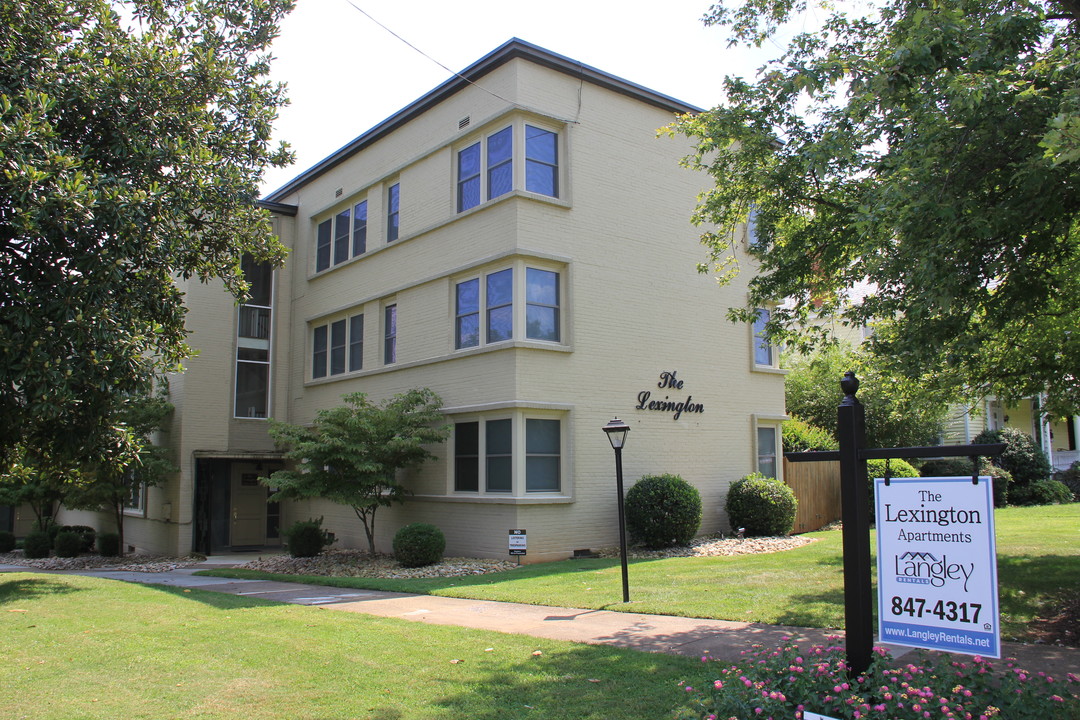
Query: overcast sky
(345, 73)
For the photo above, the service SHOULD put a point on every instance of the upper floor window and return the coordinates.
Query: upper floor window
(486, 169)
(390, 335)
(541, 304)
(764, 353)
(251, 396)
(467, 314)
(752, 240)
(393, 212)
(337, 347)
(341, 237)
(500, 163)
(496, 154)
(491, 298)
(500, 305)
(541, 161)
(469, 177)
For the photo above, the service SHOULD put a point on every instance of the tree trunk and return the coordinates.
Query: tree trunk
(119, 509)
(368, 518)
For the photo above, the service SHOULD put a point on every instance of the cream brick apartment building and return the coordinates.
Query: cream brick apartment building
(518, 240)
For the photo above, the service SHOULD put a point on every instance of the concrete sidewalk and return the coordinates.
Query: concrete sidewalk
(719, 639)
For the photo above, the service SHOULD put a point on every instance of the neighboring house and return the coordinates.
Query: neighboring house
(519, 241)
(1056, 436)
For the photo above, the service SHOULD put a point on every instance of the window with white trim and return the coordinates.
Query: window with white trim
(752, 240)
(393, 212)
(135, 503)
(767, 437)
(251, 396)
(765, 354)
(490, 302)
(390, 334)
(517, 455)
(341, 237)
(337, 347)
(486, 168)
(541, 161)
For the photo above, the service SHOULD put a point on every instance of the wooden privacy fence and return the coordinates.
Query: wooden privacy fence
(817, 488)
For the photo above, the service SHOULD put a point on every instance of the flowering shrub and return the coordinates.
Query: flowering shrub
(783, 683)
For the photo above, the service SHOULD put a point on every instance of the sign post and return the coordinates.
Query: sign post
(937, 564)
(853, 454)
(518, 543)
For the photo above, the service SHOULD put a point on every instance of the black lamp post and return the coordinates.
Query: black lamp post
(616, 433)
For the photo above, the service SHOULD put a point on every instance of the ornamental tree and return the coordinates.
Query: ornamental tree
(926, 155)
(133, 136)
(351, 454)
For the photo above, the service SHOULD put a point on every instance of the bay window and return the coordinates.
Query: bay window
(517, 455)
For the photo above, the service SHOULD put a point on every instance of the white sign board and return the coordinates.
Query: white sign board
(937, 565)
(807, 715)
(518, 542)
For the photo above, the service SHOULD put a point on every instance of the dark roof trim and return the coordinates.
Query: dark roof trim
(510, 50)
(277, 208)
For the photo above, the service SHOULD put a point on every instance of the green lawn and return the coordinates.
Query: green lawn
(1038, 559)
(77, 647)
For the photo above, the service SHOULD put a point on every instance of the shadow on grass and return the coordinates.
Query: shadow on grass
(32, 588)
(218, 600)
(1028, 584)
(586, 683)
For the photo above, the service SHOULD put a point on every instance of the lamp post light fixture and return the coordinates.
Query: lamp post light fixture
(616, 433)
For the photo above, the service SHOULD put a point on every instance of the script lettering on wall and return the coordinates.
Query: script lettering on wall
(668, 381)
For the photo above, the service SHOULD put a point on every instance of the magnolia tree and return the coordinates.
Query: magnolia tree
(133, 137)
(351, 454)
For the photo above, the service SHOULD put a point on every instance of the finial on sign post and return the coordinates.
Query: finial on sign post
(850, 386)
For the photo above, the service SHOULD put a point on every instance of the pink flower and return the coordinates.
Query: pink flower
(717, 684)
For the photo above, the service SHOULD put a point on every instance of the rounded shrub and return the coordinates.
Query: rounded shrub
(1041, 492)
(419, 544)
(761, 506)
(306, 538)
(37, 545)
(1022, 457)
(109, 544)
(7, 541)
(68, 544)
(662, 511)
(86, 533)
(800, 436)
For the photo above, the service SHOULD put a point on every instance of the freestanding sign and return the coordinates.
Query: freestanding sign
(937, 564)
(518, 542)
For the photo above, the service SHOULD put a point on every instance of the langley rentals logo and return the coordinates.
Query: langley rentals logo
(924, 568)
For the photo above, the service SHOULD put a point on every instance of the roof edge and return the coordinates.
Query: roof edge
(510, 50)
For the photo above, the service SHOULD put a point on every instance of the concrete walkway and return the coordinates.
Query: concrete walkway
(719, 639)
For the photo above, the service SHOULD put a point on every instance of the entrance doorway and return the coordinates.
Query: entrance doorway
(231, 507)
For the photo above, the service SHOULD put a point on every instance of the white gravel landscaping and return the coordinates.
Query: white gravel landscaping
(356, 563)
